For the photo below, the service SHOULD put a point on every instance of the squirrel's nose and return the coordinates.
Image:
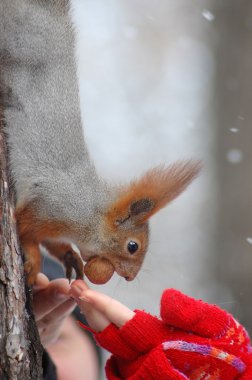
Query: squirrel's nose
(128, 278)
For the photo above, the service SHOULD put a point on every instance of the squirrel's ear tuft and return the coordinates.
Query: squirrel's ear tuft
(141, 206)
(144, 197)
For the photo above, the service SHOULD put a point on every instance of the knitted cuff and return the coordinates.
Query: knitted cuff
(111, 340)
(139, 335)
(144, 332)
(153, 366)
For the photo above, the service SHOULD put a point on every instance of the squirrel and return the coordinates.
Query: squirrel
(59, 197)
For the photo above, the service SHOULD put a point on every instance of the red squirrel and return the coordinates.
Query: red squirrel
(60, 199)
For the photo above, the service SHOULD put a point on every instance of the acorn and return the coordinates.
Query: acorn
(99, 270)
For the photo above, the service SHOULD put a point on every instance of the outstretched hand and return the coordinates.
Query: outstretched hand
(192, 340)
(99, 309)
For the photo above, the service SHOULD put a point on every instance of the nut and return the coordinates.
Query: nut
(99, 270)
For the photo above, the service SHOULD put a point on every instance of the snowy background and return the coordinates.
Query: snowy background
(161, 81)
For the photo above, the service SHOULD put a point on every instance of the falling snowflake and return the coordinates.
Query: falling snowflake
(234, 130)
(209, 16)
(234, 156)
(249, 240)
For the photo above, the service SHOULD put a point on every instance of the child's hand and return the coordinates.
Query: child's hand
(99, 309)
(192, 340)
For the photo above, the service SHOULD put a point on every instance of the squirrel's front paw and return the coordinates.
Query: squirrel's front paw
(32, 265)
(72, 261)
(31, 269)
(69, 258)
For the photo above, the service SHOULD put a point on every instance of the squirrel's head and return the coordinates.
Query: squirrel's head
(124, 235)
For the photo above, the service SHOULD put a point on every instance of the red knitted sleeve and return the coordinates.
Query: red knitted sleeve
(136, 337)
(137, 350)
(193, 340)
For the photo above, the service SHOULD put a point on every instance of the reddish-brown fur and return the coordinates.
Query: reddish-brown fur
(127, 216)
(159, 185)
(32, 232)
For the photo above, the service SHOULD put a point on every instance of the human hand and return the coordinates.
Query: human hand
(51, 306)
(99, 309)
(192, 340)
(206, 338)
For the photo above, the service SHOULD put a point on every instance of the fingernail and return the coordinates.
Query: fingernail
(83, 298)
(62, 296)
(76, 291)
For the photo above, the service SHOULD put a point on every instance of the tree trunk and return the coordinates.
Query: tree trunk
(20, 347)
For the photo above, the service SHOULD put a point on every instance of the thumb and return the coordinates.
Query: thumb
(192, 315)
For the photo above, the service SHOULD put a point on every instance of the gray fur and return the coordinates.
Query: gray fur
(39, 92)
(49, 161)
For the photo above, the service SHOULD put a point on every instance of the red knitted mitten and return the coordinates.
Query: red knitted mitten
(193, 341)
(214, 345)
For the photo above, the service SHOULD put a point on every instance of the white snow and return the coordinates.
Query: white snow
(209, 16)
(234, 156)
(249, 240)
(234, 130)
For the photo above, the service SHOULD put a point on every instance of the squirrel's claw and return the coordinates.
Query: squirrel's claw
(73, 261)
(68, 265)
(69, 258)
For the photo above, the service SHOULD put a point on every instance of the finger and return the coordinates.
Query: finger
(96, 320)
(79, 284)
(99, 309)
(58, 314)
(50, 298)
(41, 282)
(48, 338)
(113, 310)
(50, 325)
(49, 334)
(184, 312)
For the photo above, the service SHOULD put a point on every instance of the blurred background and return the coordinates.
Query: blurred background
(167, 80)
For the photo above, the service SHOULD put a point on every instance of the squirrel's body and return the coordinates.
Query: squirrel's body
(42, 114)
(59, 197)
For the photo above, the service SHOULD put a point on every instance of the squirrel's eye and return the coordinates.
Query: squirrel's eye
(132, 247)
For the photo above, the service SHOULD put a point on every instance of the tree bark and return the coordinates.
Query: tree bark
(20, 347)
